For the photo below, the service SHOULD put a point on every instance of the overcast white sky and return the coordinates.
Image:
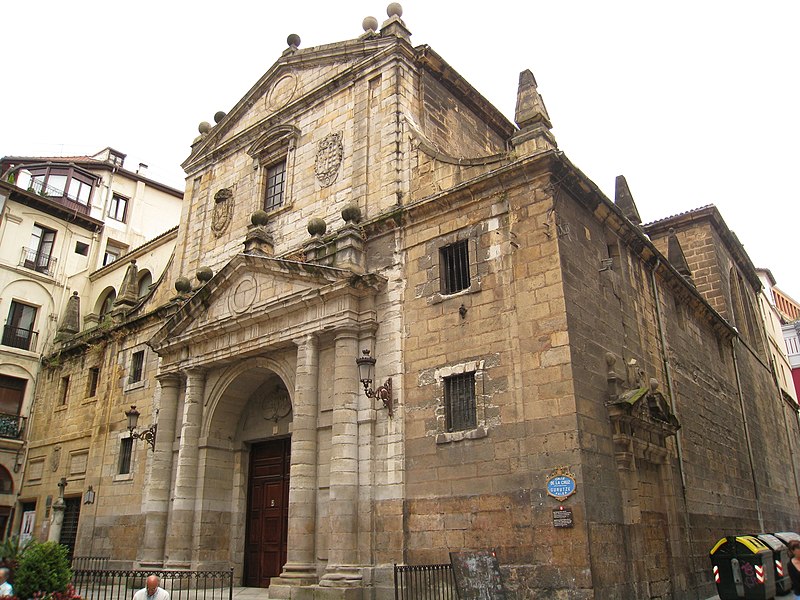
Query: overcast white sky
(695, 102)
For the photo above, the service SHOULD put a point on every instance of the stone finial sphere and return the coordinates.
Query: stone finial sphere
(351, 213)
(259, 218)
(293, 40)
(369, 24)
(394, 10)
(317, 226)
(204, 127)
(219, 115)
(183, 285)
(204, 274)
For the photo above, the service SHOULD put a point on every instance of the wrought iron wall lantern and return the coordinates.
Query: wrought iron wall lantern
(148, 435)
(88, 497)
(366, 366)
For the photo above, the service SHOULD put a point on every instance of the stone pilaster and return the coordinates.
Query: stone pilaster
(300, 567)
(180, 530)
(157, 490)
(342, 570)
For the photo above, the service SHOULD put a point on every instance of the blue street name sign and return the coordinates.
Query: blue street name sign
(561, 486)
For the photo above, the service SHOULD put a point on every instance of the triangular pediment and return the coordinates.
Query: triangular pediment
(249, 289)
(298, 78)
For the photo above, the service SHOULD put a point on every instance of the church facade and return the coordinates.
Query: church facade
(363, 201)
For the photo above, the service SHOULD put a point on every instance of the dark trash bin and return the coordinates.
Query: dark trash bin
(787, 536)
(743, 568)
(780, 558)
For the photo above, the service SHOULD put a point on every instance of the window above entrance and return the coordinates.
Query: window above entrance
(273, 156)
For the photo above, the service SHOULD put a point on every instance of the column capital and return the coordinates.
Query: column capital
(306, 339)
(172, 378)
(346, 332)
(194, 372)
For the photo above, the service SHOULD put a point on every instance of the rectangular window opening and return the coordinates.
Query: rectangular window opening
(459, 402)
(125, 454)
(276, 179)
(454, 266)
(111, 254)
(38, 256)
(18, 331)
(94, 377)
(118, 208)
(137, 366)
(64, 390)
(81, 248)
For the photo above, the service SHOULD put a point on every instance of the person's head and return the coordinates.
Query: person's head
(794, 548)
(152, 584)
(4, 574)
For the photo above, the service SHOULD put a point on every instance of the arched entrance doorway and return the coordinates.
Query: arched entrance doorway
(245, 452)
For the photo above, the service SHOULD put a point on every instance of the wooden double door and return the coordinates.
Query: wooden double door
(267, 511)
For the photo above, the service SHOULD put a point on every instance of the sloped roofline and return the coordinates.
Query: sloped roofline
(711, 214)
(88, 162)
(369, 49)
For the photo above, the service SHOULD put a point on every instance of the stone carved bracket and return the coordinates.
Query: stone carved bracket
(640, 415)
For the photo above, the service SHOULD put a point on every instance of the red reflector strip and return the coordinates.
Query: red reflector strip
(779, 568)
(716, 574)
(759, 574)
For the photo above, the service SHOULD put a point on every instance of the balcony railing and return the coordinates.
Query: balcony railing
(35, 260)
(57, 195)
(11, 426)
(17, 337)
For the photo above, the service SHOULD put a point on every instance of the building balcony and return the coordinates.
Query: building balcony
(59, 196)
(17, 337)
(36, 261)
(12, 426)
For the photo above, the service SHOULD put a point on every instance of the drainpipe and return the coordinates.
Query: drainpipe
(668, 372)
(671, 386)
(734, 344)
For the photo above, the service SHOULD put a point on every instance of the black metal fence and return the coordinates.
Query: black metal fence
(424, 582)
(106, 584)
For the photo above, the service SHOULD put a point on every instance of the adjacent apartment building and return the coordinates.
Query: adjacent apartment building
(364, 207)
(63, 224)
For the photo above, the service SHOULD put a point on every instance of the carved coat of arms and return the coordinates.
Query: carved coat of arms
(223, 211)
(329, 158)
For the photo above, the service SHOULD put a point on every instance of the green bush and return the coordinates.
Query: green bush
(43, 568)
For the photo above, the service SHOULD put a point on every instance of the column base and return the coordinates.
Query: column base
(315, 592)
(343, 576)
(296, 574)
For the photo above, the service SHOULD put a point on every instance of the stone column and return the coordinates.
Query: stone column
(158, 486)
(59, 505)
(300, 567)
(180, 530)
(342, 570)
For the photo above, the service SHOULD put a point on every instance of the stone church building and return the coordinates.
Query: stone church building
(363, 200)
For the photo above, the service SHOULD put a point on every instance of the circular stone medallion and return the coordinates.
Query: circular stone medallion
(244, 294)
(282, 92)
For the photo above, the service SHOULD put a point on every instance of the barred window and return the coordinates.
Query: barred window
(64, 390)
(454, 267)
(94, 377)
(125, 453)
(137, 366)
(276, 178)
(459, 402)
